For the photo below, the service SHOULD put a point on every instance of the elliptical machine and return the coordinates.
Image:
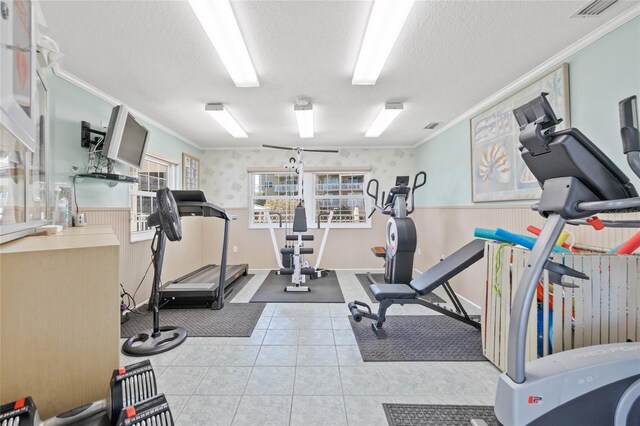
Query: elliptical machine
(159, 339)
(592, 385)
(401, 231)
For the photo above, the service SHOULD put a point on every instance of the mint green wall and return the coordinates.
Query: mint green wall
(69, 105)
(447, 161)
(600, 75)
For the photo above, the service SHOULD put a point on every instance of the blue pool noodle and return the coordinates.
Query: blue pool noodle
(509, 237)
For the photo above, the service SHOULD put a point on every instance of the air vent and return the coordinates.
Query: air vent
(431, 126)
(593, 9)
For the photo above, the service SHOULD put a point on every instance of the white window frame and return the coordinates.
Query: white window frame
(309, 181)
(366, 198)
(252, 197)
(137, 236)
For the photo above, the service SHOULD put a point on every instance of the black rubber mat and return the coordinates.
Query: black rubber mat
(419, 338)
(234, 320)
(379, 278)
(323, 290)
(437, 415)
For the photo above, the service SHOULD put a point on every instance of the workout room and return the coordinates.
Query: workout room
(330, 212)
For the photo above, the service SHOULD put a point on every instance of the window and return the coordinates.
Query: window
(276, 192)
(154, 174)
(340, 192)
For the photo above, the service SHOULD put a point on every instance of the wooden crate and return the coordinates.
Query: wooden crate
(604, 309)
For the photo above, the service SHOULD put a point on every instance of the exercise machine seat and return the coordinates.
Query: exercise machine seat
(308, 237)
(392, 291)
(291, 250)
(449, 267)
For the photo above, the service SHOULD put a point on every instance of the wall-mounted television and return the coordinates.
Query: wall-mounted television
(126, 140)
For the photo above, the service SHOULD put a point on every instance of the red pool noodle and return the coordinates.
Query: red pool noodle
(630, 245)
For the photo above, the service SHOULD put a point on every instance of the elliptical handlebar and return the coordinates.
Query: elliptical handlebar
(370, 194)
(419, 181)
(629, 132)
(415, 186)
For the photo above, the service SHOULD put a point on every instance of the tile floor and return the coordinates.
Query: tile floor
(301, 366)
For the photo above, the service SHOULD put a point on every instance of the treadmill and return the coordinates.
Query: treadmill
(210, 285)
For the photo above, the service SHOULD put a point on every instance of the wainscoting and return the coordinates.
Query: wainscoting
(441, 230)
(180, 258)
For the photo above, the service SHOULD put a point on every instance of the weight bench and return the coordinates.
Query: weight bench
(436, 276)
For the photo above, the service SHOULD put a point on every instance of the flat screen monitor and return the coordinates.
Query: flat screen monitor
(402, 180)
(126, 139)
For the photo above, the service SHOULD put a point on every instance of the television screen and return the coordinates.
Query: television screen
(126, 140)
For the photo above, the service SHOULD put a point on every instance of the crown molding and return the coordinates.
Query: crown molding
(336, 147)
(539, 71)
(67, 76)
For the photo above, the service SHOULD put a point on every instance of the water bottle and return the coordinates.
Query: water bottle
(61, 215)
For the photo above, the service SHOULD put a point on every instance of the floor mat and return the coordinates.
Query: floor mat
(379, 278)
(234, 320)
(238, 285)
(419, 338)
(323, 290)
(437, 415)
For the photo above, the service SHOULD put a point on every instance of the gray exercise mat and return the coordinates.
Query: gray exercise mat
(419, 338)
(379, 278)
(234, 320)
(323, 290)
(437, 415)
(238, 285)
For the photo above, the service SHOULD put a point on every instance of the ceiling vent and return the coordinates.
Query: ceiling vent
(431, 126)
(593, 9)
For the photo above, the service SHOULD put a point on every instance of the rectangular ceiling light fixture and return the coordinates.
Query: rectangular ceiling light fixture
(385, 22)
(222, 116)
(220, 24)
(304, 117)
(384, 119)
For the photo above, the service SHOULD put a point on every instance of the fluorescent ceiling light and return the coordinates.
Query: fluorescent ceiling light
(225, 119)
(219, 22)
(304, 116)
(382, 121)
(385, 22)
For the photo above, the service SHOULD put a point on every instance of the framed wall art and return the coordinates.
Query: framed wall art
(190, 172)
(498, 172)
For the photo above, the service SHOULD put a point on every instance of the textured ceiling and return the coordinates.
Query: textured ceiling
(450, 55)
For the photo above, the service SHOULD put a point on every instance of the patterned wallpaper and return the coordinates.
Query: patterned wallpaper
(224, 176)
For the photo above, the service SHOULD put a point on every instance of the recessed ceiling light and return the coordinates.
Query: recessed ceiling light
(385, 22)
(384, 119)
(222, 116)
(219, 22)
(304, 116)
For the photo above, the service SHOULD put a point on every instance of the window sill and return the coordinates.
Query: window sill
(361, 225)
(139, 236)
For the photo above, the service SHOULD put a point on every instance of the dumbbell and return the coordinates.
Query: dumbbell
(128, 386)
(152, 412)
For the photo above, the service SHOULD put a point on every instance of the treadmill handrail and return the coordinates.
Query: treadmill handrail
(198, 208)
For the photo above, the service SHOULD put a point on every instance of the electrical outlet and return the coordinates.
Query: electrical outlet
(419, 251)
(235, 249)
(104, 124)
